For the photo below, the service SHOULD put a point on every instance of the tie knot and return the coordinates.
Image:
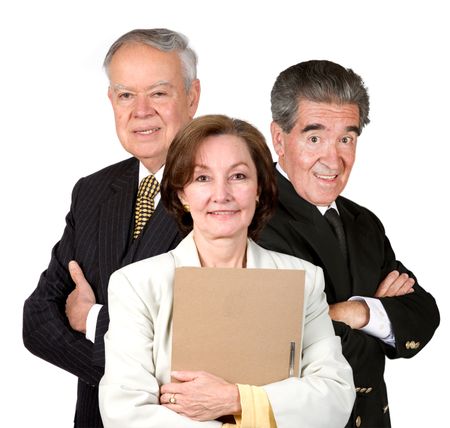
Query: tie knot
(149, 187)
(333, 216)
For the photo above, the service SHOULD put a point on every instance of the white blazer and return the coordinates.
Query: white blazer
(139, 341)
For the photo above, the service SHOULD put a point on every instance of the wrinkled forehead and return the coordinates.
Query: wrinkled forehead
(139, 63)
(327, 116)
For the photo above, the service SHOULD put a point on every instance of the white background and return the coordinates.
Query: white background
(57, 125)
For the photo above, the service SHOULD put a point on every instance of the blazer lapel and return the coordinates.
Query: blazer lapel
(257, 257)
(360, 247)
(310, 224)
(186, 254)
(115, 221)
(160, 235)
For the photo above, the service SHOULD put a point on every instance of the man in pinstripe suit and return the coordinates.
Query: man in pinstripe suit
(154, 92)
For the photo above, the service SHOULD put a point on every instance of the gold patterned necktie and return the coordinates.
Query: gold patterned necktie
(145, 203)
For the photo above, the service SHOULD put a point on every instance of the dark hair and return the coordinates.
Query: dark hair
(164, 40)
(180, 166)
(319, 81)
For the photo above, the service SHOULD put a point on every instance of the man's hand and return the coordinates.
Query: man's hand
(80, 300)
(395, 285)
(354, 313)
(200, 396)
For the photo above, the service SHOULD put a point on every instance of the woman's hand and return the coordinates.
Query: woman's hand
(200, 396)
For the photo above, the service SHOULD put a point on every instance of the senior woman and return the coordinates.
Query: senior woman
(219, 184)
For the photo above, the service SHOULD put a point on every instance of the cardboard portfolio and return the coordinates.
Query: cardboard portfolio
(244, 325)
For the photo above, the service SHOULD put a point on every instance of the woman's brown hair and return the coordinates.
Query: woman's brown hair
(180, 166)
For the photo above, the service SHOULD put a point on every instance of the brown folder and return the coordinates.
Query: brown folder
(238, 323)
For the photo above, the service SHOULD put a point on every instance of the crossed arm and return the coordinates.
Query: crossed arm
(47, 330)
(356, 314)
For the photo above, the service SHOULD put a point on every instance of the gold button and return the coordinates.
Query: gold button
(362, 390)
(408, 344)
(417, 345)
(358, 421)
(368, 390)
(357, 389)
(385, 408)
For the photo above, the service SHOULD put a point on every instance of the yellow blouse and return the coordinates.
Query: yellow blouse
(256, 409)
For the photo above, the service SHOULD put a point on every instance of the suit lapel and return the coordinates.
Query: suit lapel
(310, 224)
(160, 235)
(360, 246)
(115, 221)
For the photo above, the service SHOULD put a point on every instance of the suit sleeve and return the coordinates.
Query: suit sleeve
(414, 317)
(46, 330)
(323, 395)
(366, 354)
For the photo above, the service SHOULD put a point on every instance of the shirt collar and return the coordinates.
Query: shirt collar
(143, 172)
(322, 210)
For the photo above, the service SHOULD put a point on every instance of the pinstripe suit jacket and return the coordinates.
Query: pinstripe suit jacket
(98, 235)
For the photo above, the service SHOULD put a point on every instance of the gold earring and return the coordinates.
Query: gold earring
(186, 208)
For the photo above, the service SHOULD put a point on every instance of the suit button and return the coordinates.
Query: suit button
(408, 345)
(358, 421)
(417, 345)
(385, 408)
(368, 390)
(357, 389)
(363, 390)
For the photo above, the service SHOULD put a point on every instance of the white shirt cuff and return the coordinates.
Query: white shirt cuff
(379, 324)
(91, 322)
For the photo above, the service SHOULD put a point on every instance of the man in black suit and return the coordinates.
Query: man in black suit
(154, 92)
(319, 109)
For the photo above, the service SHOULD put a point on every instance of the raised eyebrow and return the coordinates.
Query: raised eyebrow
(354, 129)
(319, 127)
(313, 127)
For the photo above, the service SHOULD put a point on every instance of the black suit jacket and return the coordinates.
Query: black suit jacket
(298, 228)
(98, 234)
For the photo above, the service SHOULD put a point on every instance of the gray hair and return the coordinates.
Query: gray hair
(318, 81)
(164, 40)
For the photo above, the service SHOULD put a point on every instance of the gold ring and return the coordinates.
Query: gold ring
(173, 400)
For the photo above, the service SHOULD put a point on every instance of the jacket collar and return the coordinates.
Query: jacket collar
(309, 223)
(115, 219)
